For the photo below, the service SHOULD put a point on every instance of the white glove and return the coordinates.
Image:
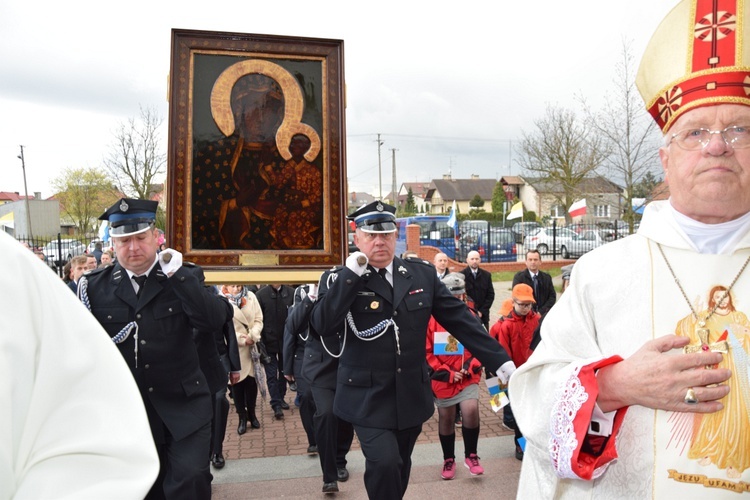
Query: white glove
(312, 291)
(357, 262)
(170, 261)
(505, 371)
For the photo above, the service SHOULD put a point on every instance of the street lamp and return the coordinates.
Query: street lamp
(26, 193)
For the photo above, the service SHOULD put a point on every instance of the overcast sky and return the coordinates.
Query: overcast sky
(450, 86)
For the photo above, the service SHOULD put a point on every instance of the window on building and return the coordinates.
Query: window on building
(601, 210)
(557, 212)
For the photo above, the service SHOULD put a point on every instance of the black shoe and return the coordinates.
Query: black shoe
(284, 405)
(519, 453)
(332, 487)
(254, 422)
(293, 387)
(312, 449)
(217, 461)
(242, 428)
(342, 474)
(278, 413)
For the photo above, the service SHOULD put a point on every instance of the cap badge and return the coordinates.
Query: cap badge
(379, 207)
(124, 206)
(374, 304)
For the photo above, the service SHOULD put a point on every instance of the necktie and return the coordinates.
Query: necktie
(141, 280)
(535, 289)
(382, 273)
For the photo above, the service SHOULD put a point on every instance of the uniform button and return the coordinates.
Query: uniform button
(395, 313)
(398, 370)
(147, 367)
(182, 278)
(348, 282)
(350, 380)
(150, 389)
(170, 309)
(138, 316)
(109, 316)
(143, 342)
(420, 303)
(197, 382)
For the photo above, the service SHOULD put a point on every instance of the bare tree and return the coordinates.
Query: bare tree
(629, 132)
(563, 151)
(84, 194)
(137, 159)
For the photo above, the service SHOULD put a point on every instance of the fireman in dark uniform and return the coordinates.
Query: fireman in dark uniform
(383, 387)
(150, 304)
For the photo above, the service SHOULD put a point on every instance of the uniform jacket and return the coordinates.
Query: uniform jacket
(212, 349)
(545, 296)
(376, 385)
(168, 373)
(275, 305)
(296, 331)
(480, 290)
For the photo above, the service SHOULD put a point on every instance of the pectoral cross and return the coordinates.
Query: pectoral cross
(719, 346)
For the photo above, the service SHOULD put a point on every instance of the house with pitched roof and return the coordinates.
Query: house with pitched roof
(546, 197)
(444, 191)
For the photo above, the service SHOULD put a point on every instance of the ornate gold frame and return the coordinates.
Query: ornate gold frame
(204, 146)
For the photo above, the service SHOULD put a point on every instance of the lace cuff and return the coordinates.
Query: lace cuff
(572, 412)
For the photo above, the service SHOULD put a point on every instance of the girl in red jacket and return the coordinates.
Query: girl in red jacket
(455, 380)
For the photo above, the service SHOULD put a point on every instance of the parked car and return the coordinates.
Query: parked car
(497, 246)
(582, 243)
(67, 250)
(522, 229)
(542, 239)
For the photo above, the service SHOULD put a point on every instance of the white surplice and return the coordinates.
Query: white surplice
(72, 421)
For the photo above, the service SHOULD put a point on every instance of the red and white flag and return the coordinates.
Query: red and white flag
(578, 208)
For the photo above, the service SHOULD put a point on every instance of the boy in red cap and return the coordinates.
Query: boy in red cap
(515, 332)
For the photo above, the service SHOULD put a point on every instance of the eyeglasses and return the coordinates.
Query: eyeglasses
(736, 136)
(521, 304)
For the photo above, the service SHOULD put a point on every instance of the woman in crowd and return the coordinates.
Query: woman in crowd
(248, 323)
(455, 383)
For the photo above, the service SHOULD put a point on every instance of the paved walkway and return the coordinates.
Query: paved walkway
(272, 462)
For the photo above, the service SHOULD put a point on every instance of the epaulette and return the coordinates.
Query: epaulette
(418, 260)
(189, 264)
(336, 269)
(95, 271)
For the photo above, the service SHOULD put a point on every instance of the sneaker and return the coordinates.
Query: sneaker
(449, 469)
(472, 463)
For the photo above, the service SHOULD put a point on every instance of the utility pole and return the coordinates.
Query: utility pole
(394, 187)
(26, 193)
(380, 171)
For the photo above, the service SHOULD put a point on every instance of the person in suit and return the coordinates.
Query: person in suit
(149, 304)
(539, 281)
(77, 269)
(479, 287)
(274, 302)
(220, 362)
(441, 264)
(383, 387)
(333, 435)
(296, 332)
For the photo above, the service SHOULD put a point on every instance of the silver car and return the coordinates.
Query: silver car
(67, 250)
(541, 239)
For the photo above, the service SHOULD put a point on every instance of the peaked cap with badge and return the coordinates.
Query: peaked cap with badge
(375, 217)
(707, 61)
(130, 216)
